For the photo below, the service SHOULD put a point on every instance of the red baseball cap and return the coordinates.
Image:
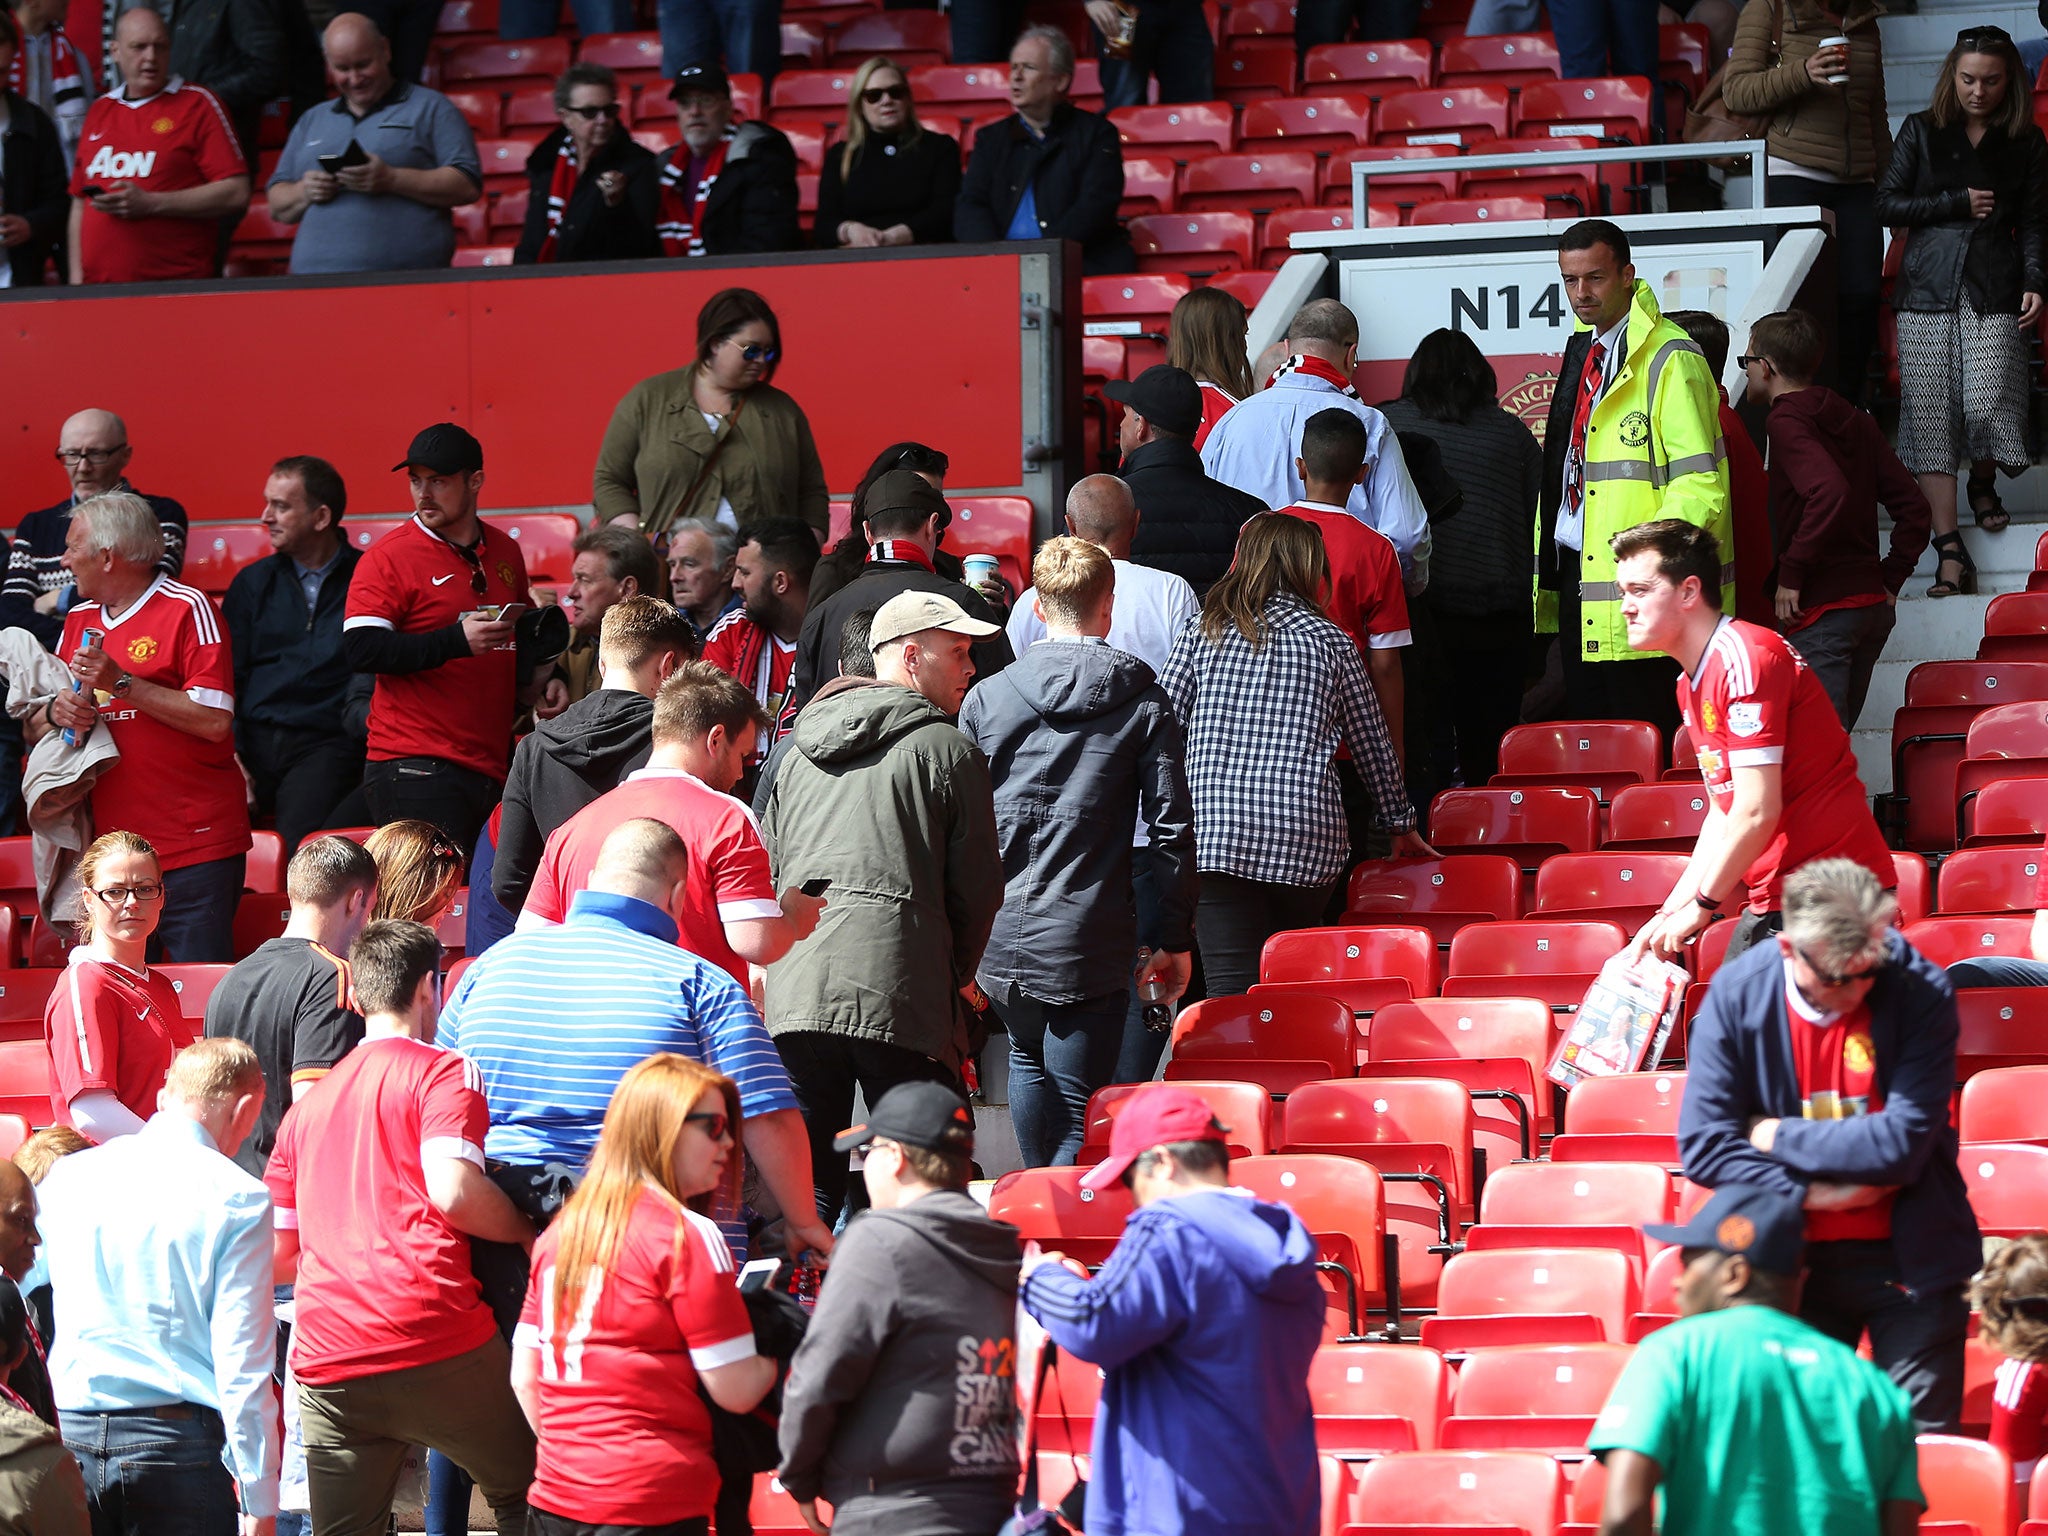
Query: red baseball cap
(1151, 1117)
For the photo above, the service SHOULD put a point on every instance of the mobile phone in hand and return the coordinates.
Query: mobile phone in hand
(816, 887)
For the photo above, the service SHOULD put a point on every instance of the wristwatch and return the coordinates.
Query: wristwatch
(121, 685)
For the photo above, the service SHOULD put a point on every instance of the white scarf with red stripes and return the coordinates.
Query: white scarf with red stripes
(682, 212)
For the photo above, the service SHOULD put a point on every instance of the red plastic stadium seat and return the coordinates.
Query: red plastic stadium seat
(459, 16)
(263, 866)
(1064, 1417)
(1342, 1203)
(1528, 824)
(1945, 940)
(1563, 191)
(1246, 287)
(1276, 229)
(907, 37)
(216, 552)
(1605, 754)
(259, 917)
(1915, 888)
(808, 140)
(1512, 59)
(1607, 882)
(1243, 1109)
(1269, 21)
(1481, 210)
(1534, 1397)
(1370, 1399)
(531, 61)
(1150, 184)
(482, 110)
(484, 256)
(1048, 1206)
(1467, 114)
(1279, 1041)
(1533, 1296)
(1490, 1491)
(1255, 182)
(1511, 1036)
(1252, 71)
(1990, 879)
(1145, 299)
(1441, 895)
(1187, 131)
(25, 1080)
(1366, 967)
(194, 984)
(1968, 1485)
(544, 539)
(2008, 1186)
(1657, 817)
(1367, 63)
(1632, 1117)
(508, 209)
(2015, 628)
(1613, 109)
(2001, 1027)
(809, 95)
(2005, 1104)
(1572, 1205)
(2018, 728)
(1319, 124)
(2007, 811)
(994, 525)
(1535, 948)
(1684, 57)
(14, 1130)
(1175, 242)
(259, 235)
(635, 57)
(530, 114)
(1102, 359)
(970, 87)
(1396, 189)
(23, 993)
(803, 45)
(1976, 682)
(504, 164)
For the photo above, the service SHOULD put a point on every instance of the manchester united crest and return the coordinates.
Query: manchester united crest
(142, 648)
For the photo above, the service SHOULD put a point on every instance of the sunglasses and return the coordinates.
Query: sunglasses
(715, 1125)
(1971, 36)
(2033, 1308)
(592, 114)
(1831, 979)
(754, 352)
(474, 559)
(875, 95)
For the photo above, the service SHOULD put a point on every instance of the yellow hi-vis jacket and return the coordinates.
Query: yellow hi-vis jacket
(1653, 449)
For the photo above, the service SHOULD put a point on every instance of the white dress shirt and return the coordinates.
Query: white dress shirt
(1571, 520)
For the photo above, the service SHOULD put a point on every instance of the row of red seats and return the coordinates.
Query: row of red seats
(1970, 742)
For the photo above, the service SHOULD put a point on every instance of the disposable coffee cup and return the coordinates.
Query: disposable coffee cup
(980, 568)
(1836, 42)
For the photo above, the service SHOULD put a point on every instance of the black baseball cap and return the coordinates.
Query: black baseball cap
(1763, 1226)
(446, 449)
(705, 79)
(1164, 395)
(928, 1115)
(905, 490)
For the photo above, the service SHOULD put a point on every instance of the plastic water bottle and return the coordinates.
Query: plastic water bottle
(1156, 1011)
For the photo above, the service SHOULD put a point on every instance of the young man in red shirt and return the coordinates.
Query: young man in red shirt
(378, 1185)
(432, 611)
(157, 170)
(756, 642)
(1781, 778)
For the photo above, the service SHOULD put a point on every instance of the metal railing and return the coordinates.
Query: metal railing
(1363, 171)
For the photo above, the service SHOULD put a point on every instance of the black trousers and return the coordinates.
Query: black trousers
(1485, 664)
(1917, 1337)
(300, 776)
(1859, 267)
(824, 1070)
(1641, 688)
(540, 1523)
(458, 800)
(1235, 917)
(1327, 21)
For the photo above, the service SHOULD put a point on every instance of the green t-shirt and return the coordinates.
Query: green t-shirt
(1762, 1426)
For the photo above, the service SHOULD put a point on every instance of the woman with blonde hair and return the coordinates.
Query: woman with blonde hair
(112, 1025)
(631, 1305)
(419, 870)
(894, 181)
(1205, 336)
(1267, 689)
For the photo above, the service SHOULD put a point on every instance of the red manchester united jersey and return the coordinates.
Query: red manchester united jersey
(413, 580)
(184, 794)
(174, 140)
(1752, 704)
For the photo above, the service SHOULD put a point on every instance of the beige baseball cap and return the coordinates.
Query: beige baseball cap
(908, 612)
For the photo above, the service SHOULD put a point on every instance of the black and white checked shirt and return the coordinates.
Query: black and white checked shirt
(1263, 726)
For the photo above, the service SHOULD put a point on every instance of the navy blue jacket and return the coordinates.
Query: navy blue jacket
(290, 672)
(1739, 1067)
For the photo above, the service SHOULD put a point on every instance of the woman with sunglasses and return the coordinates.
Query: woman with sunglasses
(1969, 180)
(631, 1308)
(112, 1024)
(714, 440)
(592, 193)
(894, 181)
(2011, 1295)
(419, 870)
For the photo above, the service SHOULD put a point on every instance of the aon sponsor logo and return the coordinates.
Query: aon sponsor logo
(121, 164)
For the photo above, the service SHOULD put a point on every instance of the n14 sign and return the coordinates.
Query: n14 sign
(1484, 309)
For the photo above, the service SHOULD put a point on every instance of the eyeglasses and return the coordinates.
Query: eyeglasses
(92, 456)
(754, 352)
(715, 1125)
(1970, 36)
(875, 95)
(473, 558)
(121, 895)
(1831, 979)
(1746, 359)
(592, 114)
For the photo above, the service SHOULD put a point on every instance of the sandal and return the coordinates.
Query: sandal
(1949, 549)
(1985, 506)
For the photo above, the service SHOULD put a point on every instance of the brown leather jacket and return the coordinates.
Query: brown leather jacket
(1842, 130)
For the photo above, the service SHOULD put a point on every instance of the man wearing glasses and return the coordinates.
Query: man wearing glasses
(93, 448)
(592, 190)
(432, 611)
(728, 188)
(1821, 1069)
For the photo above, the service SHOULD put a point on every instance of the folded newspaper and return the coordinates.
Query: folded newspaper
(1623, 1023)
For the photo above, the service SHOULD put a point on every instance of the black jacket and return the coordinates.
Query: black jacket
(1080, 739)
(563, 765)
(1557, 441)
(591, 231)
(1075, 173)
(752, 205)
(235, 48)
(892, 183)
(290, 672)
(817, 645)
(1948, 254)
(1187, 522)
(35, 186)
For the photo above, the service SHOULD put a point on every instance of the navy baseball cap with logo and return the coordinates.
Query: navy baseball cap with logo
(446, 449)
(1763, 1226)
(703, 79)
(928, 1115)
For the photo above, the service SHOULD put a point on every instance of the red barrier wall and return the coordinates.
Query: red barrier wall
(217, 382)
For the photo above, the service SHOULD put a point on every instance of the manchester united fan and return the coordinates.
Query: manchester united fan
(378, 1182)
(1190, 521)
(370, 176)
(728, 188)
(592, 195)
(50, 72)
(158, 671)
(609, 565)
(1781, 778)
(701, 552)
(567, 762)
(756, 642)
(432, 612)
(291, 678)
(158, 171)
(705, 727)
(93, 447)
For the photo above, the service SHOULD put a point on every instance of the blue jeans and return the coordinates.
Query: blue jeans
(1060, 1053)
(1998, 971)
(746, 34)
(147, 1476)
(1491, 17)
(1605, 37)
(198, 925)
(448, 1490)
(536, 18)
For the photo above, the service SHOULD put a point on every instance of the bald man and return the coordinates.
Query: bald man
(158, 170)
(94, 449)
(370, 176)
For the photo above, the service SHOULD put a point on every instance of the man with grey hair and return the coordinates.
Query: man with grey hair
(1255, 445)
(152, 661)
(1821, 1068)
(700, 561)
(1052, 172)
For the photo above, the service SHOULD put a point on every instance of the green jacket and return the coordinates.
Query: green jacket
(881, 794)
(1653, 450)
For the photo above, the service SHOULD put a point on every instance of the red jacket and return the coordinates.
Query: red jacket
(1830, 468)
(1749, 506)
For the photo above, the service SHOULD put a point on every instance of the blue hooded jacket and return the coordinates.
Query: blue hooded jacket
(1204, 1321)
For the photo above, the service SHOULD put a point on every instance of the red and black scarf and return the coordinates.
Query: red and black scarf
(561, 187)
(900, 550)
(682, 211)
(1315, 368)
